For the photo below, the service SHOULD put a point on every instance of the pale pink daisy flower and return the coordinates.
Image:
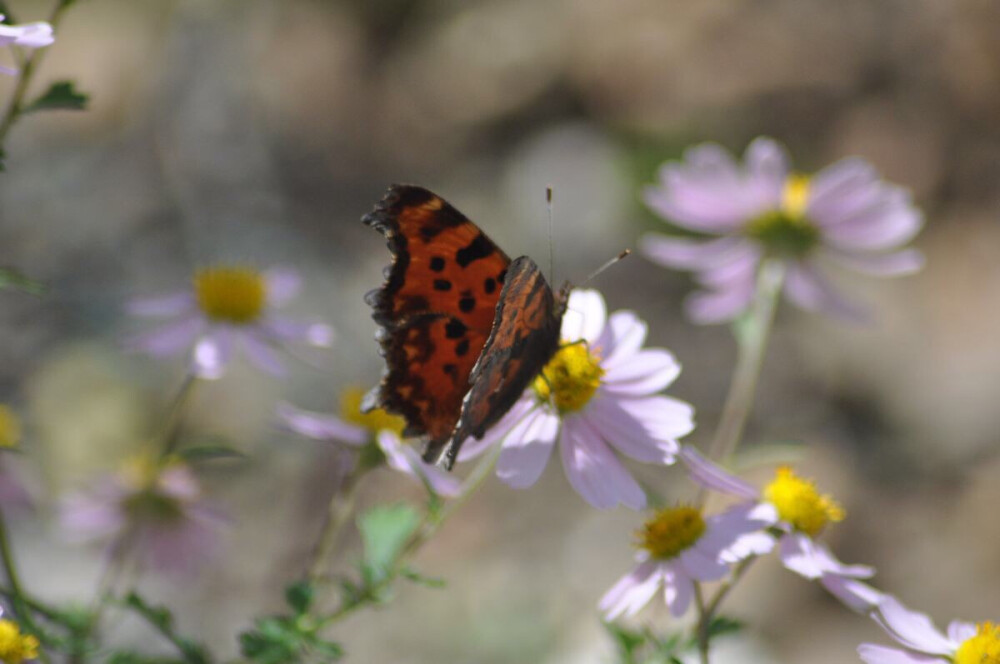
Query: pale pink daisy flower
(923, 643)
(225, 307)
(797, 513)
(678, 547)
(27, 35)
(761, 209)
(357, 429)
(152, 511)
(599, 395)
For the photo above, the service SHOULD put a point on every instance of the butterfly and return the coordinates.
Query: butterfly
(463, 328)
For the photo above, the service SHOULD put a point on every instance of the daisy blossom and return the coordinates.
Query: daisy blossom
(15, 646)
(225, 307)
(151, 509)
(28, 35)
(358, 429)
(923, 643)
(798, 513)
(679, 547)
(760, 208)
(597, 396)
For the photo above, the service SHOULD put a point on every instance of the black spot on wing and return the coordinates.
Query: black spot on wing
(490, 285)
(437, 263)
(480, 247)
(455, 329)
(467, 304)
(442, 285)
(462, 347)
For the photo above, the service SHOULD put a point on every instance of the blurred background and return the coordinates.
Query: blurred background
(247, 130)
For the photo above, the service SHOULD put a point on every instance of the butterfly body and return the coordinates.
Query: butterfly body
(464, 329)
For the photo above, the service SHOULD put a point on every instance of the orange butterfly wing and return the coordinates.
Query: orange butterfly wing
(525, 336)
(436, 308)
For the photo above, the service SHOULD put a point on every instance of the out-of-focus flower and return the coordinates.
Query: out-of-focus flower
(598, 394)
(359, 429)
(761, 209)
(13, 492)
(10, 428)
(679, 547)
(28, 35)
(152, 510)
(798, 512)
(16, 647)
(923, 643)
(228, 306)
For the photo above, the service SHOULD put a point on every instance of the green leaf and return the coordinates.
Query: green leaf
(385, 530)
(209, 452)
(300, 596)
(128, 657)
(161, 619)
(8, 18)
(418, 578)
(722, 625)
(14, 279)
(61, 96)
(629, 642)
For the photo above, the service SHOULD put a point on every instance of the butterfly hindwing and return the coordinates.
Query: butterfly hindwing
(436, 307)
(524, 338)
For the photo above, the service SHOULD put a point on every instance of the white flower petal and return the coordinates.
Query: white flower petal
(261, 354)
(527, 449)
(632, 592)
(320, 426)
(163, 306)
(643, 372)
(872, 654)
(584, 317)
(630, 434)
(596, 474)
(283, 284)
(711, 476)
(212, 353)
(912, 629)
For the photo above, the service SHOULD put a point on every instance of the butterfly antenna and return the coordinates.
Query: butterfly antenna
(552, 260)
(604, 267)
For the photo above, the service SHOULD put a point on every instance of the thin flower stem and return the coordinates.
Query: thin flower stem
(706, 611)
(173, 421)
(22, 607)
(752, 348)
(16, 105)
(339, 512)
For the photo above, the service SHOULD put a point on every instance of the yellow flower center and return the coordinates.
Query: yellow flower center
(375, 421)
(983, 648)
(148, 501)
(230, 294)
(787, 231)
(570, 378)
(800, 504)
(671, 531)
(14, 646)
(10, 427)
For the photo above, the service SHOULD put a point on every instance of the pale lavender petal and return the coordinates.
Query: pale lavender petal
(403, 458)
(959, 631)
(708, 307)
(527, 449)
(283, 283)
(896, 264)
(632, 592)
(664, 417)
(620, 339)
(312, 333)
(644, 372)
(261, 354)
(678, 590)
(320, 426)
(739, 272)
(213, 353)
(838, 181)
(629, 430)
(163, 306)
(768, 166)
(912, 629)
(584, 317)
(739, 532)
(884, 223)
(809, 289)
(687, 254)
(711, 476)
(10, 71)
(831, 565)
(167, 340)
(596, 474)
(472, 448)
(701, 565)
(856, 595)
(798, 554)
(28, 35)
(872, 654)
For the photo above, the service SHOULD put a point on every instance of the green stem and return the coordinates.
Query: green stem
(22, 607)
(341, 507)
(752, 348)
(424, 533)
(16, 105)
(173, 420)
(706, 611)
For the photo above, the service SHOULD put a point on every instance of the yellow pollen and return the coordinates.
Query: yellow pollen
(795, 196)
(10, 427)
(14, 646)
(671, 531)
(375, 421)
(230, 293)
(983, 648)
(800, 504)
(570, 378)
